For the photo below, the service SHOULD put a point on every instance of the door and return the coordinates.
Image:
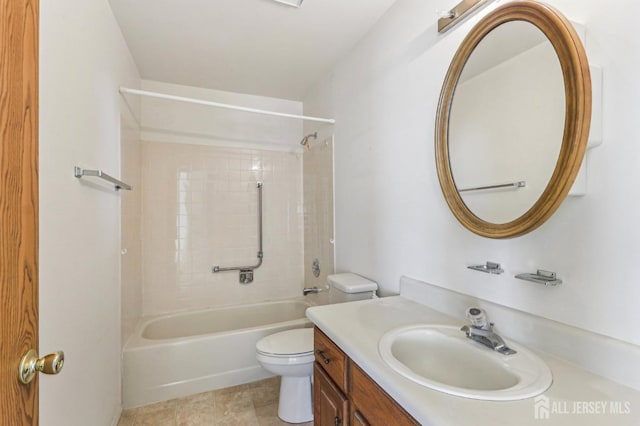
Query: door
(18, 206)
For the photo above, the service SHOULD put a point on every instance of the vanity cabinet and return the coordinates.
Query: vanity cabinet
(343, 394)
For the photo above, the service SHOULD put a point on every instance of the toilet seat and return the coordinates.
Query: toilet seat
(297, 343)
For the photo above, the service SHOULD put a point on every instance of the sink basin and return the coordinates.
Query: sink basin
(442, 358)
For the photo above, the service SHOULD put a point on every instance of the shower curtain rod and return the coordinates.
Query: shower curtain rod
(220, 105)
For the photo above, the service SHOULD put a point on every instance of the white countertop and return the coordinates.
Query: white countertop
(576, 397)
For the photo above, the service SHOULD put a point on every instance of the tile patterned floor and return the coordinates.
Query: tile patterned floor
(253, 404)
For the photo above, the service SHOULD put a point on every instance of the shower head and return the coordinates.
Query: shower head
(305, 140)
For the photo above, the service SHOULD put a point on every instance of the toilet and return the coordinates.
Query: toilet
(290, 353)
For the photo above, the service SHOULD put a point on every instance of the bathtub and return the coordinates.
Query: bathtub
(176, 355)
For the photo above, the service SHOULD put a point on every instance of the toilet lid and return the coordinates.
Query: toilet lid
(290, 342)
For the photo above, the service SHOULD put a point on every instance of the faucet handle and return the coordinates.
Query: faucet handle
(478, 318)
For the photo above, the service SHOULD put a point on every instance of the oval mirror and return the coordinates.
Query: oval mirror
(513, 120)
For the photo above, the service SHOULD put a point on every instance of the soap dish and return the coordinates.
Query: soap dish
(541, 277)
(489, 268)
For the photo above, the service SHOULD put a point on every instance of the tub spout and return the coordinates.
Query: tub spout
(314, 290)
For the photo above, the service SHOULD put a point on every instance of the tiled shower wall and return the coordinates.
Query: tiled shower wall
(130, 234)
(318, 211)
(200, 208)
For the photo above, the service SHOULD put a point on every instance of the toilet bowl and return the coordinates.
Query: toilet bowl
(290, 354)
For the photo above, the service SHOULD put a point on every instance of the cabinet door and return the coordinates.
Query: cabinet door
(357, 419)
(330, 407)
(372, 403)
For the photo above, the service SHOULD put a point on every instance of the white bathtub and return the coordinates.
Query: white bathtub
(181, 354)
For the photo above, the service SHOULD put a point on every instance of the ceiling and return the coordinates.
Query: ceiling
(258, 47)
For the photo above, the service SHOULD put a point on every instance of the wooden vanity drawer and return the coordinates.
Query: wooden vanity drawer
(330, 358)
(371, 404)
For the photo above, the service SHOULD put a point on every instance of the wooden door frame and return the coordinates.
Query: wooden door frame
(18, 206)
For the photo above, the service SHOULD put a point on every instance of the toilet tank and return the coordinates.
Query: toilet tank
(348, 287)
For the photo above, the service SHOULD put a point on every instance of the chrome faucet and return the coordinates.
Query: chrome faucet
(482, 332)
(314, 290)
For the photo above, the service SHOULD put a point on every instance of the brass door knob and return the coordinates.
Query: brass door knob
(31, 364)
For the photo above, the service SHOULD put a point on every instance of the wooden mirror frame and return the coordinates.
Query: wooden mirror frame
(577, 83)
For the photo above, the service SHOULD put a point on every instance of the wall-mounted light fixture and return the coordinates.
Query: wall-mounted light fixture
(464, 9)
(294, 3)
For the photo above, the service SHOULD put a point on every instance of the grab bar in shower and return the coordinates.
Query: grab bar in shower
(80, 172)
(246, 272)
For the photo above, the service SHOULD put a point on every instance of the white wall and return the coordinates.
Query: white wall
(391, 217)
(83, 60)
(179, 122)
